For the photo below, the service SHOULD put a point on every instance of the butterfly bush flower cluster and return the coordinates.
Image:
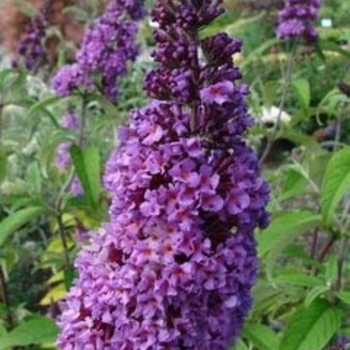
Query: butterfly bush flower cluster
(174, 266)
(106, 49)
(296, 20)
(31, 47)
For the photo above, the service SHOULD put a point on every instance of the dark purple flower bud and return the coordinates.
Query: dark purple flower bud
(220, 48)
(31, 47)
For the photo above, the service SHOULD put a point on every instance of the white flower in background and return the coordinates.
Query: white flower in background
(269, 116)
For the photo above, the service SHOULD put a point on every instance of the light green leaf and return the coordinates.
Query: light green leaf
(15, 220)
(34, 178)
(311, 328)
(87, 165)
(335, 184)
(41, 105)
(240, 345)
(284, 228)
(331, 272)
(315, 293)
(298, 279)
(344, 296)
(302, 90)
(260, 336)
(3, 163)
(34, 330)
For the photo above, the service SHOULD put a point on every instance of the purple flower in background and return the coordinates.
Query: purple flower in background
(106, 49)
(295, 20)
(174, 266)
(31, 47)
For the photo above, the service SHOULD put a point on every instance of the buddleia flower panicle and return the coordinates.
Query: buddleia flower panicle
(174, 266)
(296, 20)
(106, 49)
(31, 48)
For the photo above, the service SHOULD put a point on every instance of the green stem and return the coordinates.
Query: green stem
(340, 264)
(65, 188)
(4, 297)
(287, 75)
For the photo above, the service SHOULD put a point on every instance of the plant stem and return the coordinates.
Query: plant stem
(327, 248)
(342, 257)
(314, 241)
(65, 188)
(285, 87)
(4, 297)
(62, 234)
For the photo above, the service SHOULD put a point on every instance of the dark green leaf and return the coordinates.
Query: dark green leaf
(13, 222)
(34, 330)
(285, 228)
(302, 90)
(87, 166)
(335, 184)
(311, 327)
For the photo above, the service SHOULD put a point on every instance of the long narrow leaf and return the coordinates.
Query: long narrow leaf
(13, 222)
(336, 183)
(311, 328)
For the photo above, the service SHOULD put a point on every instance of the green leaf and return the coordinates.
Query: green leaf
(331, 271)
(298, 279)
(315, 293)
(286, 227)
(109, 108)
(87, 165)
(240, 345)
(34, 178)
(260, 336)
(17, 219)
(335, 184)
(3, 163)
(41, 107)
(34, 330)
(311, 327)
(344, 296)
(259, 52)
(269, 92)
(302, 90)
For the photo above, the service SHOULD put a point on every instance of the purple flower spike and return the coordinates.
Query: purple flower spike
(174, 267)
(106, 49)
(31, 47)
(295, 20)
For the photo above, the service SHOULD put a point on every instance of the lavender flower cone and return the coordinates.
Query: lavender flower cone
(106, 49)
(296, 20)
(174, 267)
